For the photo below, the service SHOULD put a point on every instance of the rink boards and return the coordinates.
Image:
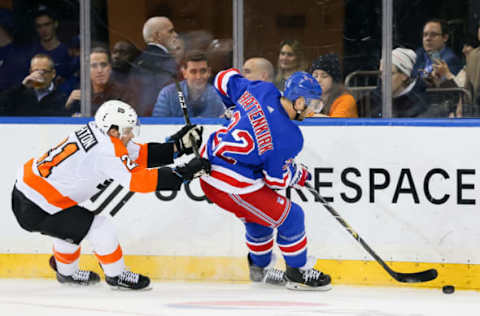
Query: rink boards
(409, 188)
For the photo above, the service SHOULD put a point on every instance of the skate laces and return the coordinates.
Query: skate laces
(129, 276)
(311, 274)
(274, 274)
(81, 275)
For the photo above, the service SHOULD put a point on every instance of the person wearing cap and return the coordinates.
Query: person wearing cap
(409, 96)
(336, 100)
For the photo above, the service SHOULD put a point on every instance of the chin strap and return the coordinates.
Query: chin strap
(297, 116)
(299, 112)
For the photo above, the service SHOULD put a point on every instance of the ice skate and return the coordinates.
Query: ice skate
(307, 278)
(268, 274)
(128, 280)
(79, 277)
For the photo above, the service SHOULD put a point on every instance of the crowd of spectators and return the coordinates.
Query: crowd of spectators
(43, 78)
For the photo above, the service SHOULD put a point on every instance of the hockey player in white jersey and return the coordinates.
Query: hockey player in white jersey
(48, 189)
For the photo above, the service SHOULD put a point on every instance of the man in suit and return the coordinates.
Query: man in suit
(434, 50)
(37, 95)
(155, 67)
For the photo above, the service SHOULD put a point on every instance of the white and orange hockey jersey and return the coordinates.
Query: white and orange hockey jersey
(69, 173)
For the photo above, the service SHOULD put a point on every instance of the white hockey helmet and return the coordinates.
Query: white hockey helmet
(115, 113)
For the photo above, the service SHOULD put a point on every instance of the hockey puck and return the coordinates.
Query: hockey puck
(448, 289)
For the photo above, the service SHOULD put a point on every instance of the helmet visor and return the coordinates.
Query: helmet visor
(132, 131)
(315, 104)
(312, 106)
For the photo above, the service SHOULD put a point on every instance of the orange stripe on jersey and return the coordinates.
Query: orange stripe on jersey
(47, 190)
(112, 257)
(143, 180)
(119, 147)
(66, 258)
(142, 155)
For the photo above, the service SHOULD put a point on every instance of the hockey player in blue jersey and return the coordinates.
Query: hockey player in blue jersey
(253, 156)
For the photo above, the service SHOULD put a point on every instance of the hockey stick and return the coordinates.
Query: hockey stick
(415, 277)
(181, 99)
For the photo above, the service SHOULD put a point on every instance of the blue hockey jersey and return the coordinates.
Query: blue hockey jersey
(258, 145)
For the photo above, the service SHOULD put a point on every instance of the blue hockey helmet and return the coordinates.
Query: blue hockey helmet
(302, 84)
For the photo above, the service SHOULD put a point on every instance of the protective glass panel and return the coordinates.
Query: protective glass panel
(332, 40)
(431, 74)
(164, 41)
(39, 56)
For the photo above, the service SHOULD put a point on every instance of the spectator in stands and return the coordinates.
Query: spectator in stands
(472, 70)
(14, 60)
(103, 88)
(179, 50)
(409, 96)
(155, 67)
(124, 54)
(336, 100)
(435, 37)
(73, 81)
(199, 40)
(46, 26)
(36, 96)
(441, 69)
(464, 79)
(220, 54)
(178, 53)
(290, 60)
(258, 68)
(200, 96)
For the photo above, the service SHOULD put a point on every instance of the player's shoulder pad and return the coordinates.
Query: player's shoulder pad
(222, 78)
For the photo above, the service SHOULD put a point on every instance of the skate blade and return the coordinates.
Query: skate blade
(79, 285)
(302, 287)
(268, 285)
(124, 289)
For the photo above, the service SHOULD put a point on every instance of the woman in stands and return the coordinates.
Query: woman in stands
(290, 59)
(336, 100)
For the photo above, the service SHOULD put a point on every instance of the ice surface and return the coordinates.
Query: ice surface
(49, 298)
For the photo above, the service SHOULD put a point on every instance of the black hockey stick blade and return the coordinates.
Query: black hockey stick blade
(415, 277)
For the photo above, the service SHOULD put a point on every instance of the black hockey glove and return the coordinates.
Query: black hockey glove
(182, 139)
(193, 169)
